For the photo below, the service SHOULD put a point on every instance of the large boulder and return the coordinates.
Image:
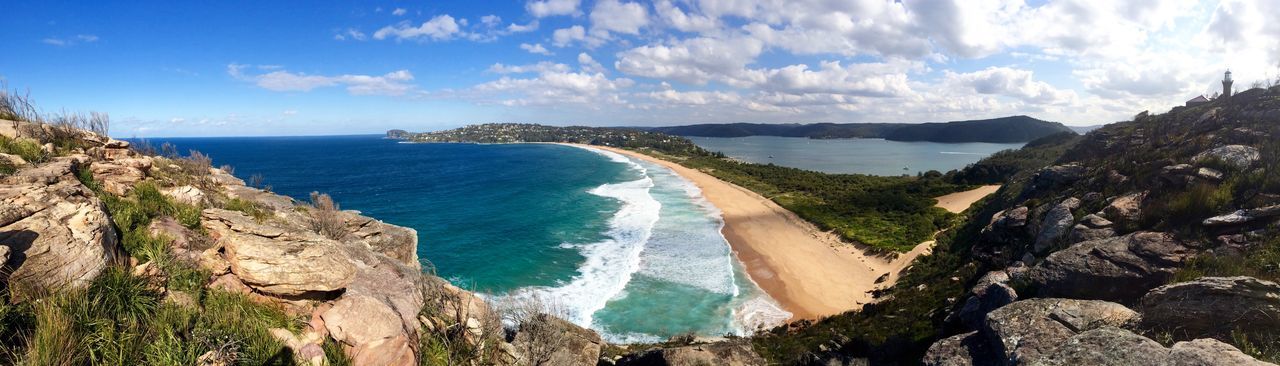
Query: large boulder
(991, 292)
(1114, 346)
(1214, 306)
(1118, 269)
(1239, 156)
(967, 349)
(57, 231)
(1028, 330)
(118, 177)
(1126, 208)
(277, 261)
(1058, 175)
(1056, 223)
(185, 194)
(1242, 217)
(1008, 226)
(398, 242)
(1091, 227)
(370, 332)
(728, 353)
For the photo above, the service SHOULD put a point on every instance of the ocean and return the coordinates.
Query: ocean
(622, 246)
(861, 156)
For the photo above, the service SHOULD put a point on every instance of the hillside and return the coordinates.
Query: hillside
(1000, 130)
(1151, 241)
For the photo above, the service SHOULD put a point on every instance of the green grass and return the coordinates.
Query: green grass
(29, 150)
(253, 209)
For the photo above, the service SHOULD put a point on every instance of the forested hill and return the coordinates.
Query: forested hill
(1004, 129)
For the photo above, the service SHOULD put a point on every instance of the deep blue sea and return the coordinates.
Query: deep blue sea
(625, 247)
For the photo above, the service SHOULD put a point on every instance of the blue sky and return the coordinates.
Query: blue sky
(302, 68)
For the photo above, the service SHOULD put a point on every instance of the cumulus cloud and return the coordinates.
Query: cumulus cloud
(395, 83)
(546, 8)
(566, 36)
(589, 64)
(439, 28)
(1009, 82)
(352, 34)
(617, 17)
(399, 12)
(536, 48)
(553, 87)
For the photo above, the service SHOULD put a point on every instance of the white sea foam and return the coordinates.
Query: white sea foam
(609, 264)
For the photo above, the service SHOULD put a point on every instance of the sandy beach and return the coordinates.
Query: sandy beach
(811, 273)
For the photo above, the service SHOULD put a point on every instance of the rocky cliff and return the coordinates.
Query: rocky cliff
(1140, 245)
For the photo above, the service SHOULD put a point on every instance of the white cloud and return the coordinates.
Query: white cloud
(439, 28)
(695, 61)
(394, 83)
(535, 48)
(589, 64)
(684, 21)
(566, 36)
(546, 8)
(618, 17)
(1008, 82)
(541, 67)
(553, 88)
(399, 12)
(522, 28)
(70, 41)
(352, 34)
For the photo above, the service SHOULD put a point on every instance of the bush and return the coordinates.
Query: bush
(27, 149)
(253, 209)
(326, 218)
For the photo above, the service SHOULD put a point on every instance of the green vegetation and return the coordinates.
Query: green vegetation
(1004, 129)
(27, 149)
(253, 209)
(1002, 165)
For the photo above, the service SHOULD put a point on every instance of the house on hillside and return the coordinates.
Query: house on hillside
(1226, 92)
(1198, 100)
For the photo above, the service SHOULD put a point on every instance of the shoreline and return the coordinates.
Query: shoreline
(814, 274)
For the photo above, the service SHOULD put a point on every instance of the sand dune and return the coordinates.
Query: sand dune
(811, 273)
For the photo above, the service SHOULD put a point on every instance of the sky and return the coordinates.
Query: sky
(238, 68)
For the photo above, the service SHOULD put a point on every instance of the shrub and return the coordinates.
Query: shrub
(253, 209)
(326, 218)
(1187, 208)
(233, 321)
(27, 149)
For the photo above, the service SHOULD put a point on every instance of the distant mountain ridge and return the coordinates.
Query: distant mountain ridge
(998, 130)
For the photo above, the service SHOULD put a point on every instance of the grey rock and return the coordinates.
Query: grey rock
(1239, 156)
(991, 292)
(967, 349)
(1209, 351)
(1028, 330)
(1118, 269)
(1058, 175)
(1007, 226)
(576, 346)
(1209, 174)
(1214, 306)
(1106, 346)
(728, 353)
(1241, 217)
(1056, 223)
(1091, 227)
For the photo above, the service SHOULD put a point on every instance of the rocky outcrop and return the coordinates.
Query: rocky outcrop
(1056, 223)
(727, 353)
(1091, 227)
(1028, 330)
(371, 332)
(1214, 306)
(1114, 346)
(991, 292)
(966, 349)
(1239, 156)
(1115, 269)
(56, 229)
(397, 242)
(275, 261)
(1242, 217)
(1008, 226)
(185, 194)
(120, 175)
(1126, 208)
(1058, 175)
(562, 344)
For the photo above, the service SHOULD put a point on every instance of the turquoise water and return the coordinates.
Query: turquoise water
(624, 247)
(862, 156)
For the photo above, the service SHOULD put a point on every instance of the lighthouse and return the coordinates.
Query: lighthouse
(1226, 85)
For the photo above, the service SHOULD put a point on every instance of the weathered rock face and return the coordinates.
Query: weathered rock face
(967, 349)
(1113, 346)
(991, 292)
(1242, 217)
(1056, 223)
(1058, 175)
(397, 242)
(733, 353)
(371, 333)
(1239, 156)
(276, 261)
(185, 194)
(1008, 226)
(1091, 227)
(1126, 208)
(119, 176)
(1115, 269)
(57, 231)
(1027, 331)
(1214, 306)
(572, 346)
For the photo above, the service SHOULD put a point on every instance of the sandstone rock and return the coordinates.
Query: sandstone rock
(370, 332)
(1209, 174)
(729, 353)
(967, 349)
(1056, 223)
(1058, 175)
(1239, 156)
(116, 144)
(57, 231)
(4, 254)
(1114, 269)
(1113, 346)
(304, 352)
(12, 160)
(563, 343)
(1241, 217)
(397, 242)
(991, 292)
(1214, 306)
(1026, 331)
(1106, 346)
(1127, 208)
(1091, 227)
(274, 261)
(119, 178)
(185, 194)
(1208, 351)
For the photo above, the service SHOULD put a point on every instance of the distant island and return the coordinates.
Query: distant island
(996, 130)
